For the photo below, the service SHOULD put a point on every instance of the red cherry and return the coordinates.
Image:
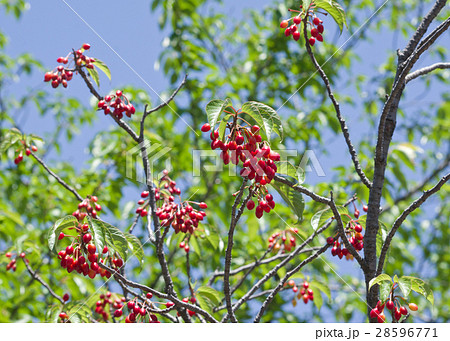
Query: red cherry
(358, 228)
(203, 205)
(255, 129)
(34, 148)
(61, 236)
(149, 295)
(186, 248)
(296, 36)
(118, 313)
(48, 77)
(144, 213)
(314, 32)
(316, 21)
(205, 128)
(297, 20)
(105, 249)
(250, 205)
(330, 240)
(91, 248)
(381, 318)
(320, 28)
(118, 93)
(66, 297)
(319, 37)
(69, 250)
(305, 285)
(87, 238)
(403, 311)
(312, 41)
(86, 46)
(144, 194)
(365, 208)
(284, 24)
(413, 307)
(390, 305)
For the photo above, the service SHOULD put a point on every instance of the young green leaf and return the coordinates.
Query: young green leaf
(420, 286)
(214, 109)
(94, 75)
(379, 279)
(385, 289)
(292, 198)
(115, 239)
(335, 10)
(61, 224)
(285, 167)
(405, 286)
(134, 244)
(210, 293)
(265, 116)
(103, 67)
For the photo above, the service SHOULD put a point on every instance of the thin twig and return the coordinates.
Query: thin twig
(226, 277)
(426, 70)
(398, 222)
(162, 105)
(280, 285)
(303, 190)
(38, 278)
(337, 108)
(341, 231)
(61, 181)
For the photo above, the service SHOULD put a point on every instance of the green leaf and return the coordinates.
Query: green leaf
(265, 116)
(320, 217)
(385, 289)
(115, 239)
(94, 75)
(194, 243)
(379, 279)
(52, 315)
(420, 286)
(318, 300)
(335, 10)
(212, 294)
(134, 244)
(292, 198)
(61, 224)
(103, 67)
(405, 286)
(306, 4)
(287, 168)
(78, 312)
(214, 109)
(223, 127)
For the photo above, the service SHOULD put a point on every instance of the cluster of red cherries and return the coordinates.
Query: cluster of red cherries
(81, 255)
(305, 293)
(12, 264)
(393, 304)
(62, 75)
(287, 238)
(354, 234)
(117, 104)
(182, 217)
(244, 144)
(19, 157)
(315, 23)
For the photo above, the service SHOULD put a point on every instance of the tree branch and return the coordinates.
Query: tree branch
(61, 181)
(234, 220)
(398, 222)
(419, 186)
(280, 285)
(303, 190)
(337, 108)
(426, 70)
(162, 105)
(38, 278)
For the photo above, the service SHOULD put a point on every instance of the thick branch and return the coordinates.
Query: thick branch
(38, 278)
(398, 222)
(426, 70)
(422, 29)
(337, 108)
(61, 181)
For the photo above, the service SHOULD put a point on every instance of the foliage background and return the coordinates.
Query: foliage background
(228, 49)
